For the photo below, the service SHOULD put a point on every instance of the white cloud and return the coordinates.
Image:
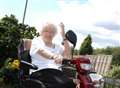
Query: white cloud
(84, 16)
(81, 18)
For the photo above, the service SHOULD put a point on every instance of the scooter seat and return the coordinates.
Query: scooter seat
(53, 78)
(32, 83)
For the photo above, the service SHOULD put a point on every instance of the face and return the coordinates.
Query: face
(48, 33)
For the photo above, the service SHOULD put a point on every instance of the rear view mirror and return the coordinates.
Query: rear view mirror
(71, 37)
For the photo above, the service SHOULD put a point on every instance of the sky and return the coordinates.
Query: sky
(99, 18)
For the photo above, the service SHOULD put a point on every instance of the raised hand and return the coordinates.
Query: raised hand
(62, 32)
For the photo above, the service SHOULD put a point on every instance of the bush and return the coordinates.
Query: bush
(114, 72)
(116, 57)
(9, 73)
(11, 32)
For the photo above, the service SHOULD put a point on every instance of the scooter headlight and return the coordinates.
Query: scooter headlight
(86, 66)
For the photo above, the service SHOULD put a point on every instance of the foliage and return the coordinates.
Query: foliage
(9, 38)
(11, 31)
(9, 73)
(27, 32)
(76, 52)
(86, 47)
(114, 72)
(108, 50)
(116, 56)
(115, 51)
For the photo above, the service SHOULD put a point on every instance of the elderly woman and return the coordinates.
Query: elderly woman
(45, 53)
(48, 55)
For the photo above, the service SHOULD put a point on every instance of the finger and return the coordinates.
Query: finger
(56, 61)
(61, 24)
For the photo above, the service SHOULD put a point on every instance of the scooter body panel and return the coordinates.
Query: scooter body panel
(85, 81)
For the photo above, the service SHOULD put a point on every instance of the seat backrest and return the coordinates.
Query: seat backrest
(24, 48)
(27, 44)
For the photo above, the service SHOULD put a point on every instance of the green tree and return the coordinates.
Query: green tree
(11, 31)
(27, 32)
(9, 37)
(108, 51)
(86, 47)
(76, 52)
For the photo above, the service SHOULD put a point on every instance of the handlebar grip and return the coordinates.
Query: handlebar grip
(66, 62)
(31, 66)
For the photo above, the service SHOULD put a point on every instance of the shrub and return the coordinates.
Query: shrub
(9, 73)
(114, 72)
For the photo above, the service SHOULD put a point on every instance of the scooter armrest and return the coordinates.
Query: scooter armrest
(29, 65)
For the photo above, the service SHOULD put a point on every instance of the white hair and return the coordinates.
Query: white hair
(48, 24)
